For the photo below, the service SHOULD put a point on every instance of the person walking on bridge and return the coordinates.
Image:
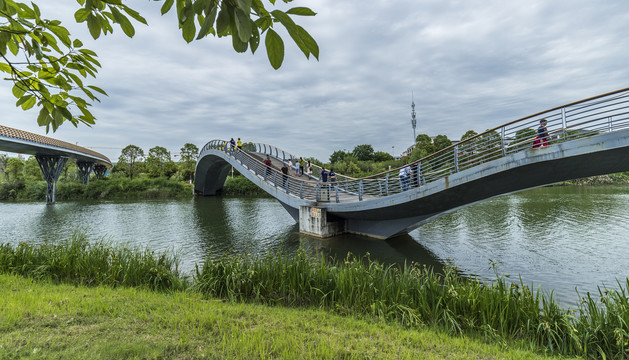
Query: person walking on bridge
(239, 144)
(285, 174)
(268, 164)
(542, 134)
(301, 166)
(405, 174)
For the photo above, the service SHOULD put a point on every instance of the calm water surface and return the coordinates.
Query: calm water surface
(559, 238)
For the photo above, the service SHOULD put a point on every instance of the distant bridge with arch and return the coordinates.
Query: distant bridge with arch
(52, 155)
(586, 138)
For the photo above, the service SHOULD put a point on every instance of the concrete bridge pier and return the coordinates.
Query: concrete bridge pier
(317, 222)
(100, 171)
(85, 168)
(51, 167)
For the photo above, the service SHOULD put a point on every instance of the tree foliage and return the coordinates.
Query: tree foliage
(363, 152)
(49, 69)
(338, 156)
(189, 152)
(156, 161)
(441, 142)
(469, 134)
(380, 156)
(129, 156)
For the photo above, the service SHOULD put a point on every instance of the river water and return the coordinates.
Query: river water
(557, 238)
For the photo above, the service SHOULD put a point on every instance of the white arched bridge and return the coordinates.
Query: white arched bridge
(585, 138)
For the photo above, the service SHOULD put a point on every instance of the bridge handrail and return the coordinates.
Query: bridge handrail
(600, 114)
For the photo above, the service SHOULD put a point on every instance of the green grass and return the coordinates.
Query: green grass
(409, 297)
(41, 320)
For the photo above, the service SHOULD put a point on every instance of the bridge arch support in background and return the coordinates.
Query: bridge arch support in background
(210, 175)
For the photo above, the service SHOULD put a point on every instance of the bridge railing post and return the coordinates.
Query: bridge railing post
(456, 158)
(301, 189)
(610, 124)
(336, 190)
(503, 143)
(386, 184)
(317, 189)
(564, 121)
(360, 190)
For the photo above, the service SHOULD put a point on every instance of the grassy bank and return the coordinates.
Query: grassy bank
(411, 299)
(46, 321)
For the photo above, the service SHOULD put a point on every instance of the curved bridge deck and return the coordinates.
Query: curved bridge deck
(586, 138)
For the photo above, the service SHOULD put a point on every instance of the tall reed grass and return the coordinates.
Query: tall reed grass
(500, 311)
(80, 261)
(415, 295)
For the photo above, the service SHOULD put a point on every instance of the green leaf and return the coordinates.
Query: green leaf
(207, 23)
(18, 90)
(168, 4)
(238, 45)
(188, 29)
(125, 24)
(243, 24)
(292, 29)
(302, 11)
(274, 48)
(29, 103)
(23, 99)
(310, 43)
(93, 25)
(245, 6)
(254, 40)
(96, 88)
(5, 68)
(222, 23)
(81, 15)
(42, 118)
(134, 14)
(77, 43)
(65, 112)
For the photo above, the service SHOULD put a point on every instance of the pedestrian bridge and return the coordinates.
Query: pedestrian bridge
(586, 138)
(52, 155)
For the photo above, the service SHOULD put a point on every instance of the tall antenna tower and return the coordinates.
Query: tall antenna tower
(413, 117)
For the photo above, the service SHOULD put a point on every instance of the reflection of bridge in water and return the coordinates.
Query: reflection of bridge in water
(589, 137)
(52, 155)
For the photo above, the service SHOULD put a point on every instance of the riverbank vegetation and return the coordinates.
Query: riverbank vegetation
(412, 298)
(156, 177)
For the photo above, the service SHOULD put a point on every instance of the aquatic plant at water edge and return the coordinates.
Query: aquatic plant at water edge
(80, 261)
(416, 295)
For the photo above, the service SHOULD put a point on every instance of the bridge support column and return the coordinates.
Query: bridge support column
(51, 167)
(100, 171)
(85, 168)
(314, 221)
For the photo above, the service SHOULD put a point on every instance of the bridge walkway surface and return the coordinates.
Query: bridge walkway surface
(585, 138)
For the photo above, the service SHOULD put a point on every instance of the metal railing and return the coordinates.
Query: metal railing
(601, 114)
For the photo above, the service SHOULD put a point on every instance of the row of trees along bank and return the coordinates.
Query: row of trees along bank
(136, 175)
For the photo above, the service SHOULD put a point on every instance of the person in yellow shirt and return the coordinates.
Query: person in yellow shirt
(239, 144)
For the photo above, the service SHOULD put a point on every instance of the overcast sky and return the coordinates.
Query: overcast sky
(471, 65)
